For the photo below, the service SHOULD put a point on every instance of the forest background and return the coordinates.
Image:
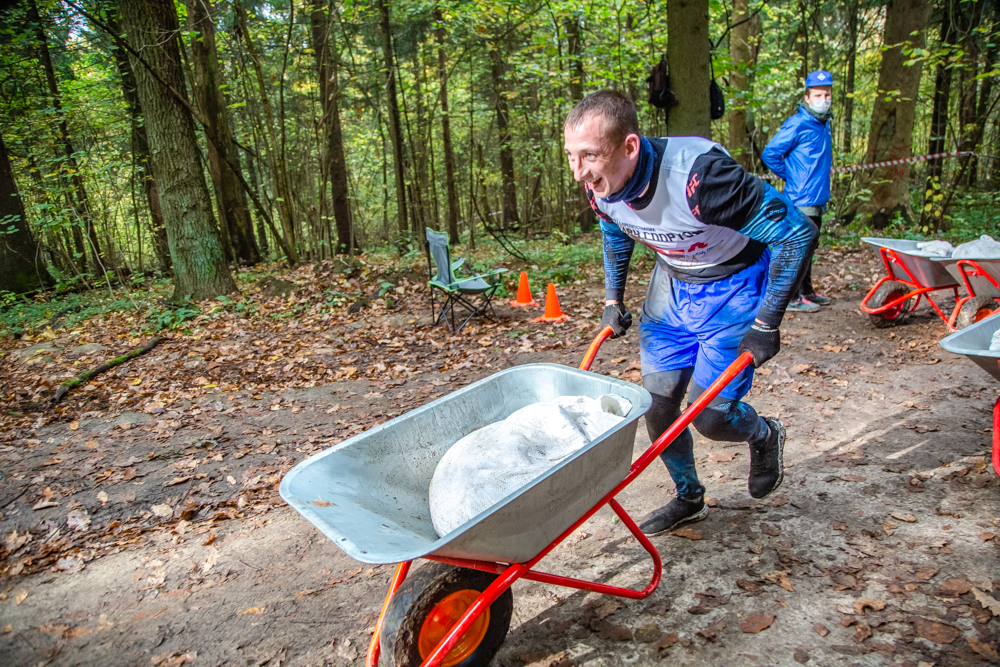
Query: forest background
(189, 140)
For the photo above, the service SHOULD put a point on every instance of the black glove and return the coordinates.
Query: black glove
(616, 318)
(763, 343)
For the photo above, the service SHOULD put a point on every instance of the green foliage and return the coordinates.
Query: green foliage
(171, 317)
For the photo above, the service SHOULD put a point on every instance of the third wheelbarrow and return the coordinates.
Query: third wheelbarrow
(369, 495)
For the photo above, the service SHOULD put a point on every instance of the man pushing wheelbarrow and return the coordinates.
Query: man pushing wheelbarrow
(730, 253)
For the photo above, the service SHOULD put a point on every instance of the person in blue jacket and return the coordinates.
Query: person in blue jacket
(801, 153)
(730, 253)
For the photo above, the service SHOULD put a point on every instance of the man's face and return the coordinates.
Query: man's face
(818, 94)
(595, 161)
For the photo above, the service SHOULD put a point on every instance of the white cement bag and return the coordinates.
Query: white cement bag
(492, 462)
(985, 247)
(935, 248)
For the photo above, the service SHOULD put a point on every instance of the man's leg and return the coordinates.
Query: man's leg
(807, 291)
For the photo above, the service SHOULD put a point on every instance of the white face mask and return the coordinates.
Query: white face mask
(820, 106)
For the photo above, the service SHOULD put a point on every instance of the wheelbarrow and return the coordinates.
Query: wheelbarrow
(981, 278)
(974, 342)
(909, 273)
(369, 495)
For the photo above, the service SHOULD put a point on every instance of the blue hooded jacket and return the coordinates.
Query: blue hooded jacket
(801, 153)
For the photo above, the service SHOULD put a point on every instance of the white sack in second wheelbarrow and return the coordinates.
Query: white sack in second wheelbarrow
(492, 462)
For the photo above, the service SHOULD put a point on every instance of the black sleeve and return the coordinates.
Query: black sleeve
(720, 192)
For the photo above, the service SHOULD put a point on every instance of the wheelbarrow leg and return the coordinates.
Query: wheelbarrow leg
(397, 580)
(996, 437)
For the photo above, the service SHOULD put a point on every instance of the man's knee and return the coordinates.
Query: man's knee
(723, 421)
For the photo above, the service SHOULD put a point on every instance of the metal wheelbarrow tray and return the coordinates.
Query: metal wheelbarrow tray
(372, 489)
(981, 278)
(910, 272)
(369, 494)
(974, 343)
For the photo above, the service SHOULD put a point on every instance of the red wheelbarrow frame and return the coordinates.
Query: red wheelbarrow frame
(973, 270)
(509, 573)
(889, 258)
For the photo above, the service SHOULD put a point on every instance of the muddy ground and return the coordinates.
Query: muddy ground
(157, 536)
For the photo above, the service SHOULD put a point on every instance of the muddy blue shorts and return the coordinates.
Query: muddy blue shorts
(701, 324)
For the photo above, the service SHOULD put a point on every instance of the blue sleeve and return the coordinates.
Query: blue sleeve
(791, 238)
(618, 247)
(778, 147)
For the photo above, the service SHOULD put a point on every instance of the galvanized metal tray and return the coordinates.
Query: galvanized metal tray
(980, 285)
(369, 494)
(928, 271)
(974, 342)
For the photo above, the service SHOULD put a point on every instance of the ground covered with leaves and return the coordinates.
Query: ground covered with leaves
(141, 521)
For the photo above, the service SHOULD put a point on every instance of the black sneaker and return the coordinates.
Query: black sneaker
(673, 514)
(767, 467)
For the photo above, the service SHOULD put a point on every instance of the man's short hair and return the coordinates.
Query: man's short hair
(617, 110)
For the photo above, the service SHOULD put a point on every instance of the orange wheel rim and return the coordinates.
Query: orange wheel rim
(443, 617)
(982, 314)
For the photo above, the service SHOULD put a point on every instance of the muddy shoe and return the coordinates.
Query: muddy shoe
(673, 514)
(819, 299)
(802, 305)
(767, 467)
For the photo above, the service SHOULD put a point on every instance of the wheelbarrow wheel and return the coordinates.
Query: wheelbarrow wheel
(888, 292)
(975, 309)
(428, 604)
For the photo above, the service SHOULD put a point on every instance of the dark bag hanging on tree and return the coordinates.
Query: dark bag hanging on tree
(660, 95)
(716, 100)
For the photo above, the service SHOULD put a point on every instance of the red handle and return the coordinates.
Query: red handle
(588, 358)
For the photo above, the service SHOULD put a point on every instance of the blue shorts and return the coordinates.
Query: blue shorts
(701, 324)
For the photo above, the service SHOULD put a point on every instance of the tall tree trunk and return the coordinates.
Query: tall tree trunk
(982, 111)
(324, 48)
(740, 56)
(690, 71)
(276, 162)
(222, 151)
(20, 269)
(890, 136)
(848, 87)
(939, 117)
(140, 148)
(200, 269)
(507, 177)
(574, 47)
(82, 205)
(968, 82)
(449, 152)
(392, 107)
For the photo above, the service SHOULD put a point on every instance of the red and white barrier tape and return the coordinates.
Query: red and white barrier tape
(889, 163)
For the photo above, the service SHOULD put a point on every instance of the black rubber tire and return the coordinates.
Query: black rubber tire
(415, 599)
(972, 310)
(889, 291)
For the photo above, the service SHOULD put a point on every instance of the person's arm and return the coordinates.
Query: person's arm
(618, 247)
(778, 147)
(730, 197)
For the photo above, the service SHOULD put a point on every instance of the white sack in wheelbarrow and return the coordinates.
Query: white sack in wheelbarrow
(492, 462)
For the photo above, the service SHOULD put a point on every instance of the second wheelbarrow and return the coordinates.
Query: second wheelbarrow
(369, 495)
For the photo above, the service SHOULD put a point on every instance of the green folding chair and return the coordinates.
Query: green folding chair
(474, 293)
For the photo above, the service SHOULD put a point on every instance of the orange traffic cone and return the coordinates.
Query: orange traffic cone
(524, 299)
(553, 313)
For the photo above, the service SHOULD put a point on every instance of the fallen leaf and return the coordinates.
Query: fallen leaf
(770, 529)
(939, 633)
(902, 516)
(889, 526)
(980, 647)
(162, 511)
(755, 623)
(252, 610)
(860, 605)
(174, 659)
(801, 655)
(956, 586)
(721, 457)
(838, 525)
(78, 520)
(666, 641)
(820, 630)
(210, 561)
(178, 480)
(987, 601)
(927, 572)
(319, 502)
(862, 632)
(749, 586)
(853, 478)
(43, 503)
(73, 425)
(70, 564)
(800, 368)
(779, 500)
(779, 578)
(986, 537)
(689, 533)
(102, 497)
(19, 596)
(613, 632)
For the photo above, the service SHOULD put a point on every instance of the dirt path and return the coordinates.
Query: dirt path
(881, 548)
